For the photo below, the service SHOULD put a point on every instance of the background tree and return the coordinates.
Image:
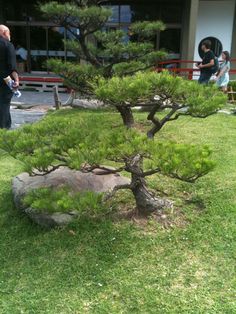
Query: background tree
(168, 96)
(106, 51)
(99, 52)
(110, 56)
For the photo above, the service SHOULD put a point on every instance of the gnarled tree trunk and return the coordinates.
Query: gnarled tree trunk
(127, 115)
(146, 201)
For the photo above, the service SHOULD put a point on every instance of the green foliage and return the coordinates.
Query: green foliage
(58, 140)
(75, 75)
(181, 161)
(74, 46)
(125, 90)
(233, 84)
(71, 15)
(147, 29)
(115, 36)
(106, 52)
(204, 100)
(50, 142)
(126, 68)
(63, 200)
(172, 91)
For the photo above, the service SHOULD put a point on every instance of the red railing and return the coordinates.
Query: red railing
(186, 68)
(40, 78)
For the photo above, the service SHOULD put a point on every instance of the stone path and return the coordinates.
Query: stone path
(34, 104)
(37, 98)
(20, 117)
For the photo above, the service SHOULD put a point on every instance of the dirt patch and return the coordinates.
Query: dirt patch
(166, 219)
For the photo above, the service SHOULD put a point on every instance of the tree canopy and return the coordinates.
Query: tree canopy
(161, 92)
(89, 144)
(107, 52)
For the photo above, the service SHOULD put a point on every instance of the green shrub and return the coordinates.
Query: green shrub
(233, 85)
(63, 200)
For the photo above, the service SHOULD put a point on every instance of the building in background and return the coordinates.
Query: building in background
(188, 22)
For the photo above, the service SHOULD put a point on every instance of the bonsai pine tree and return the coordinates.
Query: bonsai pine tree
(99, 52)
(87, 144)
(167, 96)
(142, 158)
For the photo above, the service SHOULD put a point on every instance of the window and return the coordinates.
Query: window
(125, 14)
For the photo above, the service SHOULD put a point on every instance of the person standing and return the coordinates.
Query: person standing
(7, 68)
(21, 58)
(222, 76)
(207, 64)
(21, 54)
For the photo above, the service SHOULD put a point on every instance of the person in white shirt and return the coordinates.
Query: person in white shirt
(21, 54)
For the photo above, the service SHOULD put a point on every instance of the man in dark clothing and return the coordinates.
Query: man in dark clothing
(7, 68)
(207, 63)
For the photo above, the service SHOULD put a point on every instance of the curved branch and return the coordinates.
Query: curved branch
(104, 170)
(53, 168)
(158, 124)
(150, 172)
(110, 194)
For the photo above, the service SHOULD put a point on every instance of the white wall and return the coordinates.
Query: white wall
(215, 19)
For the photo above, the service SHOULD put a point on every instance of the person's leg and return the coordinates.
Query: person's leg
(225, 89)
(204, 78)
(201, 79)
(5, 100)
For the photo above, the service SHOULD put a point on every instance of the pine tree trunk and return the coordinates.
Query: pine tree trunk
(151, 133)
(146, 202)
(127, 115)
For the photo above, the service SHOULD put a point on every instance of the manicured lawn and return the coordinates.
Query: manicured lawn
(107, 267)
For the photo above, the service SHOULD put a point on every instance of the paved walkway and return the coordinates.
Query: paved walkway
(20, 117)
(34, 104)
(37, 98)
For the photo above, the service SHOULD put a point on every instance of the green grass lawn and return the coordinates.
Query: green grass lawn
(123, 267)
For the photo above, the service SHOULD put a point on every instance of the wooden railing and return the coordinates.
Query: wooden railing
(42, 83)
(186, 68)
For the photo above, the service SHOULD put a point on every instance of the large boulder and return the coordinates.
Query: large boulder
(77, 181)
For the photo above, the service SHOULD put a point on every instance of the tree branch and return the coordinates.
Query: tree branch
(104, 170)
(110, 194)
(53, 168)
(150, 172)
(188, 180)
(158, 124)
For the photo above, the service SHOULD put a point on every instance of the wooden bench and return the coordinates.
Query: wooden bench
(42, 84)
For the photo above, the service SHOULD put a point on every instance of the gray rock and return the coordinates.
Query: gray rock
(77, 181)
(53, 220)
